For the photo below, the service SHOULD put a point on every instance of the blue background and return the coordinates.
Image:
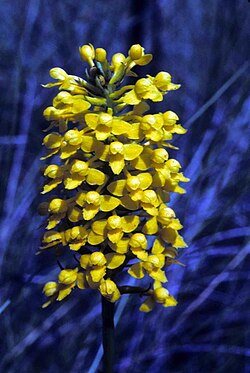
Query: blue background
(204, 45)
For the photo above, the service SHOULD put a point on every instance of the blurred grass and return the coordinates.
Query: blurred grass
(203, 45)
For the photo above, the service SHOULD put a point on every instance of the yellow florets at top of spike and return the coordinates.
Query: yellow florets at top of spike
(111, 178)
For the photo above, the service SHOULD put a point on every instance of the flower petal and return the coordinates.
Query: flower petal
(99, 227)
(145, 180)
(136, 270)
(131, 98)
(151, 226)
(114, 260)
(130, 223)
(115, 235)
(109, 203)
(148, 305)
(127, 202)
(116, 163)
(90, 211)
(131, 151)
(117, 187)
(95, 239)
(158, 275)
(84, 260)
(121, 246)
(158, 246)
(51, 185)
(74, 181)
(98, 273)
(92, 120)
(95, 177)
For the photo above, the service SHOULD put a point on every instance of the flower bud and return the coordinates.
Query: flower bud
(136, 52)
(109, 290)
(51, 113)
(148, 121)
(50, 288)
(170, 118)
(142, 86)
(87, 53)
(165, 214)
(118, 59)
(155, 260)
(149, 196)
(105, 118)
(57, 206)
(100, 55)
(75, 232)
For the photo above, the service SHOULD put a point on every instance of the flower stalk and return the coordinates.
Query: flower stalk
(108, 336)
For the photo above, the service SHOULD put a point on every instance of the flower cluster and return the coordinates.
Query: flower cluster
(112, 176)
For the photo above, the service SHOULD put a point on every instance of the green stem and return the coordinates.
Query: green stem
(108, 335)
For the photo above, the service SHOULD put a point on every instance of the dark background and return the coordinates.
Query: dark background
(204, 45)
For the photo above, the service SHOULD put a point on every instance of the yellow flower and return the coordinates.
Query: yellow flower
(150, 88)
(76, 237)
(79, 171)
(92, 202)
(152, 266)
(65, 81)
(137, 57)
(95, 264)
(112, 228)
(117, 153)
(158, 295)
(138, 245)
(104, 124)
(67, 280)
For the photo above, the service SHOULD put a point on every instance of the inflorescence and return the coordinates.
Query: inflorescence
(112, 176)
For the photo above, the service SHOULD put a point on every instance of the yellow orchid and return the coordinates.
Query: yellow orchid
(57, 209)
(112, 175)
(93, 202)
(112, 228)
(96, 265)
(64, 81)
(138, 245)
(104, 125)
(158, 295)
(152, 266)
(150, 88)
(58, 291)
(117, 153)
